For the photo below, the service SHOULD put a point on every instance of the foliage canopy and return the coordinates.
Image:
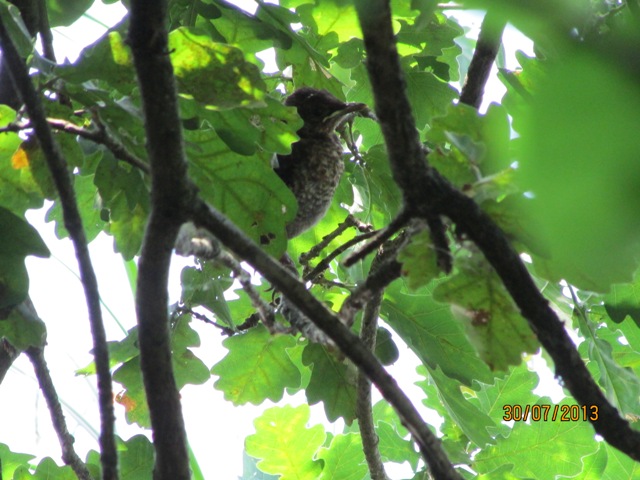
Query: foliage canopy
(554, 165)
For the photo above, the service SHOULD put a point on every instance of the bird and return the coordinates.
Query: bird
(314, 167)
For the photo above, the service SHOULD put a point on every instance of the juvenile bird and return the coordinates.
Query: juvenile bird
(313, 168)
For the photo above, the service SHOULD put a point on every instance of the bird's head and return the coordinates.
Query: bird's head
(321, 111)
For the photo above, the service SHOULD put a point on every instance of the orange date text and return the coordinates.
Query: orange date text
(545, 413)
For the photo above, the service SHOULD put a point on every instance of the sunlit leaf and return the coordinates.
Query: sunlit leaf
(284, 443)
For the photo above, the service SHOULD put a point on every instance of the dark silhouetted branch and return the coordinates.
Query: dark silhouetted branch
(423, 187)
(73, 224)
(235, 240)
(170, 197)
(484, 56)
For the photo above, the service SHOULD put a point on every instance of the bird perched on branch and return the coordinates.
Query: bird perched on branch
(313, 169)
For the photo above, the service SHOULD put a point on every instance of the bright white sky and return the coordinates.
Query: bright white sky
(216, 429)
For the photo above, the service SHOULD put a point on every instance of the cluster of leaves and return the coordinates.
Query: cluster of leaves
(565, 190)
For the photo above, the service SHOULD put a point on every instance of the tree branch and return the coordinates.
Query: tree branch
(69, 455)
(426, 188)
(73, 224)
(45, 31)
(312, 274)
(235, 240)
(363, 388)
(484, 56)
(100, 135)
(36, 356)
(170, 198)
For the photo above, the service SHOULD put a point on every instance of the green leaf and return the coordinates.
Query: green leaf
(394, 448)
(584, 177)
(619, 465)
(136, 459)
(332, 17)
(593, 466)
(429, 329)
(256, 368)
(471, 420)
(425, 107)
(250, 469)
(19, 239)
(66, 12)
(513, 389)
(491, 318)
(285, 445)
(213, 73)
(187, 368)
(243, 188)
(10, 461)
(109, 59)
(119, 352)
(621, 385)
(483, 139)
(127, 226)
(17, 30)
(47, 469)
(343, 459)
(22, 329)
(542, 449)
(132, 397)
(18, 189)
(623, 300)
(206, 286)
(332, 382)
(272, 127)
(251, 33)
(386, 349)
(419, 261)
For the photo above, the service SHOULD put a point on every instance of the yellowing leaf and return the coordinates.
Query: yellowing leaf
(20, 159)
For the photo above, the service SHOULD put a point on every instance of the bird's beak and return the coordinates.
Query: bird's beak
(351, 110)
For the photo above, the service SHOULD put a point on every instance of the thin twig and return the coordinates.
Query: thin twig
(382, 236)
(100, 135)
(324, 263)
(350, 221)
(69, 455)
(73, 224)
(225, 330)
(265, 311)
(364, 411)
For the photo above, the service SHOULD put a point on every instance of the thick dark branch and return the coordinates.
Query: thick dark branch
(236, 241)
(73, 224)
(424, 186)
(170, 197)
(45, 32)
(484, 55)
